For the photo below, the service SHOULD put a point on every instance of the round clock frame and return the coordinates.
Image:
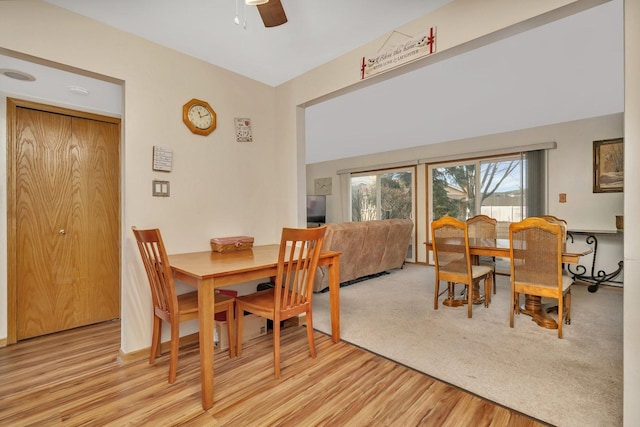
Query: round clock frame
(199, 117)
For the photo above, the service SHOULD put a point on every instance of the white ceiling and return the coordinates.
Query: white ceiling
(317, 31)
(565, 70)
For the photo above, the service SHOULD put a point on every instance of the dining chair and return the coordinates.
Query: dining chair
(292, 292)
(167, 305)
(484, 227)
(562, 223)
(450, 238)
(536, 266)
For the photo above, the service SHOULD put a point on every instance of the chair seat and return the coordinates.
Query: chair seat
(480, 270)
(188, 303)
(566, 282)
(262, 303)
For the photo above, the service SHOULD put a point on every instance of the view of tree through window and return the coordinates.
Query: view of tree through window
(383, 195)
(497, 191)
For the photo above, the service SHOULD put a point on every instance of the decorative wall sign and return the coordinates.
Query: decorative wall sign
(243, 130)
(397, 50)
(323, 186)
(162, 159)
(608, 166)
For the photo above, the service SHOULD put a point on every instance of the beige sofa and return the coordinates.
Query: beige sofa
(368, 248)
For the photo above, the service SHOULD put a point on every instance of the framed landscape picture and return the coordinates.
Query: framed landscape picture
(608, 166)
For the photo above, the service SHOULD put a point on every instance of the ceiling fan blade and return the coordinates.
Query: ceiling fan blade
(272, 13)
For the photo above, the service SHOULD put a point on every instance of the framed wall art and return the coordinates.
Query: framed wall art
(608, 166)
(243, 129)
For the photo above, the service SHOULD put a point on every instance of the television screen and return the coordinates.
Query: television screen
(316, 209)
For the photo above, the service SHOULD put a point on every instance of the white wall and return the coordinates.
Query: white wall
(524, 81)
(218, 186)
(631, 209)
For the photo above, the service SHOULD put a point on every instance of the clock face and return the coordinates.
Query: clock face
(200, 116)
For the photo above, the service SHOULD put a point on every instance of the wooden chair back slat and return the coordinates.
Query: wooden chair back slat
(156, 263)
(168, 306)
(292, 292)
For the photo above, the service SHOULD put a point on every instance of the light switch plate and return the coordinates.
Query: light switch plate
(160, 188)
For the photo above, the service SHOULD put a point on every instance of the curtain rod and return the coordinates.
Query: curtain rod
(378, 167)
(496, 152)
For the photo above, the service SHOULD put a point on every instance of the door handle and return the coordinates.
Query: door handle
(62, 232)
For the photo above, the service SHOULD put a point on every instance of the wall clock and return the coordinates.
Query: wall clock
(199, 117)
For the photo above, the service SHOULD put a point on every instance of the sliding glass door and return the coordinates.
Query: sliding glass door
(384, 194)
(494, 186)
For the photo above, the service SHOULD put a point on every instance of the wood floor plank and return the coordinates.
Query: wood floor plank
(74, 378)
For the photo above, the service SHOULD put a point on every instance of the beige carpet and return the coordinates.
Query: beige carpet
(576, 381)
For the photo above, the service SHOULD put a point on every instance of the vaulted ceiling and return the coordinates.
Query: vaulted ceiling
(565, 70)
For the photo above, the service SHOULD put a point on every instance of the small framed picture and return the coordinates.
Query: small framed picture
(162, 159)
(608, 166)
(243, 129)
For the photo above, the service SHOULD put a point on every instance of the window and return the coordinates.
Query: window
(507, 188)
(384, 194)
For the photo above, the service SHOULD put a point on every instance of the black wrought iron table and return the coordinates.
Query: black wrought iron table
(596, 278)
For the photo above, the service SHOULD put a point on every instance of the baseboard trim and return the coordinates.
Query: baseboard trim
(165, 347)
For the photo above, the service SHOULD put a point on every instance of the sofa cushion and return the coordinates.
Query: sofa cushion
(348, 238)
(376, 234)
(398, 241)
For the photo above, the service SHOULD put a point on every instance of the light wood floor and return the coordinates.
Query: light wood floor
(73, 378)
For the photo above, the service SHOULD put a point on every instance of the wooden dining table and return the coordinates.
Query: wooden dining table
(500, 248)
(533, 303)
(209, 270)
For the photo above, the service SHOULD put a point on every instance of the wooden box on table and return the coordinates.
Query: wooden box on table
(229, 244)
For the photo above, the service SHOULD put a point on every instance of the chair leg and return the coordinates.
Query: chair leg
(494, 281)
(435, 298)
(155, 339)
(560, 315)
(312, 345)
(239, 319)
(567, 307)
(276, 348)
(173, 358)
(231, 329)
(469, 300)
(512, 308)
(487, 290)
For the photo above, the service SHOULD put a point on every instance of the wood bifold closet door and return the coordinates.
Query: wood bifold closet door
(67, 219)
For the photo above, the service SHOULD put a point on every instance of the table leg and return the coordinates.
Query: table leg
(206, 302)
(598, 278)
(453, 301)
(334, 297)
(539, 312)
